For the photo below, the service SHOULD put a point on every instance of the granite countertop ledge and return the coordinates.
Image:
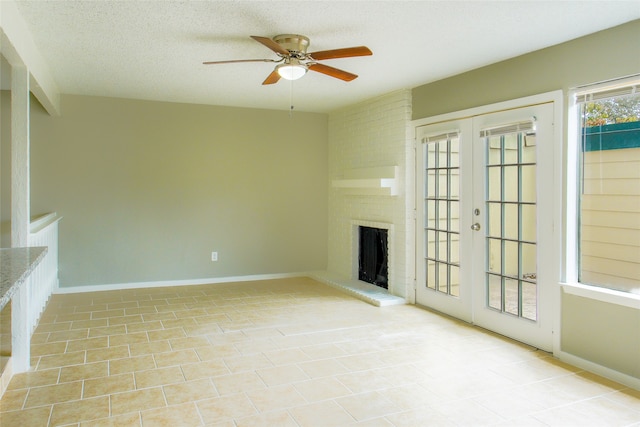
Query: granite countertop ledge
(15, 266)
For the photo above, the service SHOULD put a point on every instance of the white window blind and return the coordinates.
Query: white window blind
(606, 93)
(527, 127)
(440, 137)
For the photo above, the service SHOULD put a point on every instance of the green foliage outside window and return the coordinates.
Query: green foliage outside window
(610, 111)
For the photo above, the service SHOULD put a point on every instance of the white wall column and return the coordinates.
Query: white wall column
(20, 187)
(20, 333)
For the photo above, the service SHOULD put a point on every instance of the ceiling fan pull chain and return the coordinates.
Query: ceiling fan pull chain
(290, 99)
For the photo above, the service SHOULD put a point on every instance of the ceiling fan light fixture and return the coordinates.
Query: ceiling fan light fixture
(291, 70)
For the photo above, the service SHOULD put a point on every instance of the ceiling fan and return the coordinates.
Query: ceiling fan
(294, 60)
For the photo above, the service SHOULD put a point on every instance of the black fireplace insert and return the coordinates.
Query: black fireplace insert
(373, 256)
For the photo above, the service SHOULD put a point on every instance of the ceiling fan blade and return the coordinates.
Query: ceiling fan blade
(239, 60)
(271, 45)
(272, 78)
(346, 52)
(333, 72)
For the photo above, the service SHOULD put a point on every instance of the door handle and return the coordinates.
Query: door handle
(475, 227)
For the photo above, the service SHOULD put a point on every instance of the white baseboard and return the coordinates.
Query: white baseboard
(167, 283)
(597, 369)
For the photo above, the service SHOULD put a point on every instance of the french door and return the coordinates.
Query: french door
(485, 221)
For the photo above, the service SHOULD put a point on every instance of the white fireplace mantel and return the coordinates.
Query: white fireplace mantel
(381, 180)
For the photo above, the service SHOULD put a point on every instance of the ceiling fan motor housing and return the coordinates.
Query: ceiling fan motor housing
(294, 43)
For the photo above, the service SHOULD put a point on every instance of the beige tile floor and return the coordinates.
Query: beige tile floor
(290, 352)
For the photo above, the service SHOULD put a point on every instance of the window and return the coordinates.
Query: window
(608, 212)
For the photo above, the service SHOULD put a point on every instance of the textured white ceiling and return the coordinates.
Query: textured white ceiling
(155, 49)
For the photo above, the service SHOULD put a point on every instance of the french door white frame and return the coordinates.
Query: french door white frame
(556, 192)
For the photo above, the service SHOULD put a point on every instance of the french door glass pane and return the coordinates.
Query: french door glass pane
(454, 280)
(528, 260)
(495, 256)
(442, 214)
(430, 184)
(431, 274)
(430, 218)
(442, 183)
(511, 296)
(511, 224)
(431, 155)
(494, 219)
(443, 277)
(529, 149)
(529, 298)
(494, 156)
(454, 153)
(494, 291)
(528, 222)
(494, 180)
(454, 244)
(510, 184)
(510, 147)
(431, 244)
(528, 184)
(510, 221)
(441, 244)
(510, 260)
(454, 219)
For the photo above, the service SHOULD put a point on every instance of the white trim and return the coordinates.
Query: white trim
(559, 226)
(542, 98)
(597, 369)
(18, 47)
(411, 216)
(610, 296)
(43, 221)
(185, 282)
(571, 188)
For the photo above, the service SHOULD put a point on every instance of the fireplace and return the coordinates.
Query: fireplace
(373, 256)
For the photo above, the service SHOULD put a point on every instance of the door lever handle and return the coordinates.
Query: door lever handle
(475, 227)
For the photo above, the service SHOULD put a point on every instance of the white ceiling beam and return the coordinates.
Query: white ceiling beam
(19, 49)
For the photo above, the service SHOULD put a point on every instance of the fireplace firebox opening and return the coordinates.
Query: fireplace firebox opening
(373, 256)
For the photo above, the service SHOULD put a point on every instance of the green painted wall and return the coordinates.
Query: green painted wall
(600, 56)
(603, 333)
(147, 190)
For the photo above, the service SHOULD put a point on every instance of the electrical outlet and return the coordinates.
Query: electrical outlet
(214, 256)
